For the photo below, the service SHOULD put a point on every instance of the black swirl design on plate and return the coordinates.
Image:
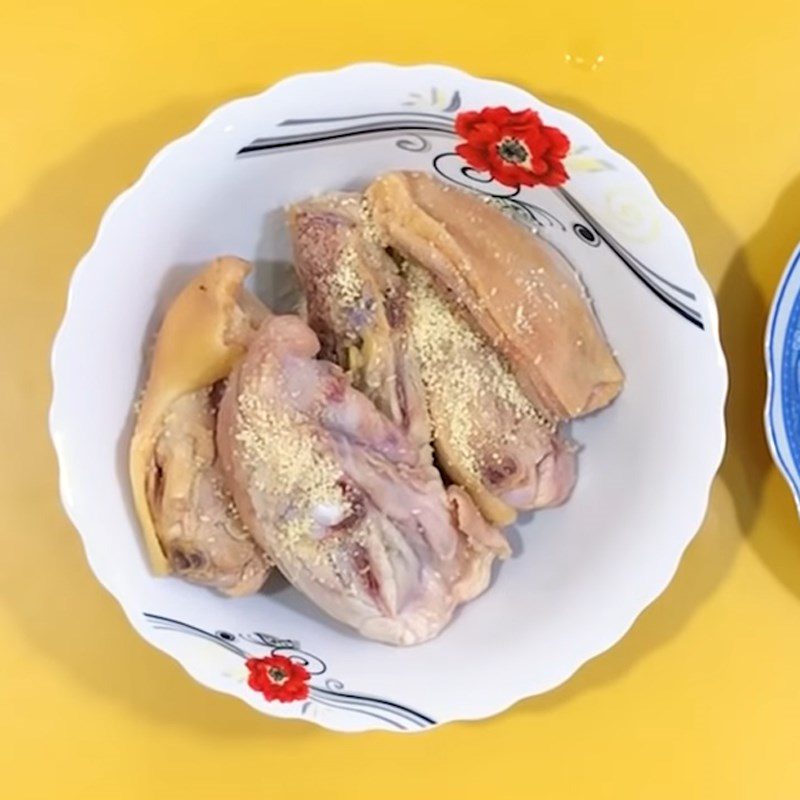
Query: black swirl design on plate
(330, 693)
(450, 166)
(676, 297)
(165, 623)
(586, 234)
(413, 143)
(413, 131)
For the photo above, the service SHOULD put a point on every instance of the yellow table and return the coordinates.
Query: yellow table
(702, 698)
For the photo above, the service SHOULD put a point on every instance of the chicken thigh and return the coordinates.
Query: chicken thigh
(340, 497)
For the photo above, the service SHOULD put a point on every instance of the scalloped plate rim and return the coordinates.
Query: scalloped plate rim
(614, 631)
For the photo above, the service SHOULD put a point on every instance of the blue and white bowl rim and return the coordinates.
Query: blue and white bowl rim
(782, 345)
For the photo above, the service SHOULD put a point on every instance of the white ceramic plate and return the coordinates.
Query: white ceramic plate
(782, 415)
(581, 574)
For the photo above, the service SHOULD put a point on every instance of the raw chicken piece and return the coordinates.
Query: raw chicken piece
(489, 437)
(338, 496)
(356, 304)
(198, 526)
(187, 517)
(423, 366)
(511, 285)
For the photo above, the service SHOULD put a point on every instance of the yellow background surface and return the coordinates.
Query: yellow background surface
(702, 698)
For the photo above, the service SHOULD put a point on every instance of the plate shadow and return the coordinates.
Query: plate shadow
(710, 555)
(46, 586)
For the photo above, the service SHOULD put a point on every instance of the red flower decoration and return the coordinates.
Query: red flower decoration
(514, 147)
(278, 678)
